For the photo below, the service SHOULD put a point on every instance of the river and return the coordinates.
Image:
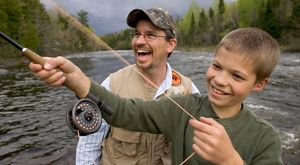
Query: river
(33, 116)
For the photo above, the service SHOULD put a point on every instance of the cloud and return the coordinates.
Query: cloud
(110, 16)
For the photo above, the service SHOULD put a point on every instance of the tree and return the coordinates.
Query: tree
(202, 26)
(211, 13)
(249, 11)
(221, 7)
(83, 18)
(267, 19)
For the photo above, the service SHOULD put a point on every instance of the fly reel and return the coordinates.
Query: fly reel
(84, 117)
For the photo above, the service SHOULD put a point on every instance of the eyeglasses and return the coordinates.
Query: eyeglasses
(148, 36)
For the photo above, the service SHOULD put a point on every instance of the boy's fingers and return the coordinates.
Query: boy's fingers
(209, 121)
(201, 126)
(199, 148)
(201, 136)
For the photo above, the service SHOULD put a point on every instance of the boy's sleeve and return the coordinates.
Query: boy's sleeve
(269, 150)
(135, 114)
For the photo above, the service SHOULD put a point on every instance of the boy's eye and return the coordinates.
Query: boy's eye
(216, 66)
(237, 77)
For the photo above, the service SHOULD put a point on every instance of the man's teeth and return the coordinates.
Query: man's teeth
(142, 52)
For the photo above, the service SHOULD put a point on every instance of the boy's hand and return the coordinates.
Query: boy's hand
(212, 142)
(60, 71)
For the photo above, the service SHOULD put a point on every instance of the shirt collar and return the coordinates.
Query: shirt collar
(166, 84)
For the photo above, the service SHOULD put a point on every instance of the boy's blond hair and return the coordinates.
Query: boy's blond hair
(256, 45)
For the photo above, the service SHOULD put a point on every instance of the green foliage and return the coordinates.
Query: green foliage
(49, 34)
(120, 40)
(3, 17)
(291, 32)
(267, 19)
(211, 13)
(33, 27)
(249, 11)
(83, 17)
(185, 24)
(221, 7)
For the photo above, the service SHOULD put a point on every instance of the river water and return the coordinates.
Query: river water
(33, 128)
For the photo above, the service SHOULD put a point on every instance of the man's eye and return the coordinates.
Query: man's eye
(150, 34)
(136, 34)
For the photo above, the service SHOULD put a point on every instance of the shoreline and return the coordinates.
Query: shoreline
(6, 63)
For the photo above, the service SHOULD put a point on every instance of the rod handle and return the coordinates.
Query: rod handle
(37, 59)
(33, 57)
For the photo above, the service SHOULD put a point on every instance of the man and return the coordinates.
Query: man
(154, 39)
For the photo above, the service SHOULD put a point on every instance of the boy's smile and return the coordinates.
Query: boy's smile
(231, 78)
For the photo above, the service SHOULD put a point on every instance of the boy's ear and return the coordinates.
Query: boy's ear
(259, 86)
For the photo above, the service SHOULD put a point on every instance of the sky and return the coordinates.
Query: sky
(108, 16)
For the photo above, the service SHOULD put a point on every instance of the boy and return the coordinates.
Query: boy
(227, 132)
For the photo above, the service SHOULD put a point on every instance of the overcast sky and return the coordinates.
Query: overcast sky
(106, 16)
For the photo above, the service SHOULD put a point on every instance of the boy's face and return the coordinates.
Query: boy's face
(231, 78)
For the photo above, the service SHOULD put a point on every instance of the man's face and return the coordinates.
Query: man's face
(151, 53)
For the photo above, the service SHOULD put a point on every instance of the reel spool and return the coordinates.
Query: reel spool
(85, 115)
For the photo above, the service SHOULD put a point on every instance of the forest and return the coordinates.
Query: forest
(45, 32)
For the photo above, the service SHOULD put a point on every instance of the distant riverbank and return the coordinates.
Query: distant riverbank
(8, 62)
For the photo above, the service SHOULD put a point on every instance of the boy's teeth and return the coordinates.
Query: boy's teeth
(218, 91)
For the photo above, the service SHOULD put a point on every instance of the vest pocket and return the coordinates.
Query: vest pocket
(125, 141)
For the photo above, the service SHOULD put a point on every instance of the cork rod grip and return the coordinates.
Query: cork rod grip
(37, 59)
(33, 57)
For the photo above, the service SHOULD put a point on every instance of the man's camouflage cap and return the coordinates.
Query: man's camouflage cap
(159, 17)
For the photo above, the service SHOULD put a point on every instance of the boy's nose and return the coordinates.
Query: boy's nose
(221, 79)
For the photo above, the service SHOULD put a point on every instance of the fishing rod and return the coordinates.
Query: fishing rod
(84, 117)
(35, 58)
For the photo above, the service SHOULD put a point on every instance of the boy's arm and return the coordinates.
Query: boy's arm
(137, 115)
(269, 149)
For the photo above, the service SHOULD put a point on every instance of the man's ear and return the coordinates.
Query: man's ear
(259, 86)
(172, 45)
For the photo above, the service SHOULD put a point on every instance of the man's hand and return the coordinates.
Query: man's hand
(212, 142)
(60, 71)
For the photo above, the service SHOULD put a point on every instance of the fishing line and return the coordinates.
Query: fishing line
(75, 23)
